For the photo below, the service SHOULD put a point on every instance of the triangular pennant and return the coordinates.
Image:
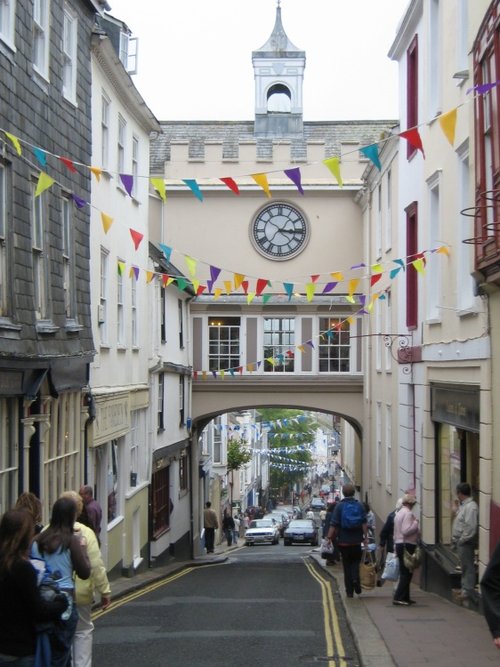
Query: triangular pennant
(419, 265)
(448, 122)
(310, 343)
(353, 285)
(231, 184)
(266, 297)
(483, 88)
(68, 164)
(196, 284)
(412, 136)
(79, 202)
(377, 268)
(310, 289)
(333, 164)
(191, 263)
(127, 182)
(250, 297)
(149, 276)
(443, 250)
(288, 289)
(295, 176)
(194, 187)
(217, 292)
(214, 273)
(136, 237)
(261, 180)
(97, 171)
(228, 286)
(375, 278)
(337, 275)
(159, 185)
(260, 286)
(182, 283)
(15, 142)
(315, 277)
(394, 273)
(200, 289)
(121, 268)
(134, 272)
(371, 152)
(166, 250)
(238, 280)
(301, 348)
(329, 287)
(44, 182)
(107, 221)
(210, 284)
(40, 155)
(244, 285)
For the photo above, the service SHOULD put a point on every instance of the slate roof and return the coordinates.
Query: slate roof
(231, 133)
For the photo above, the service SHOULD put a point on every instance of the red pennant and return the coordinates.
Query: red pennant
(136, 237)
(261, 285)
(413, 138)
(231, 184)
(68, 163)
(314, 278)
(244, 285)
(375, 278)
(201, 289)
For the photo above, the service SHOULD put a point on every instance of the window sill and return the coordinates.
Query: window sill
(72, 326)
(468, 312)
(46, 327)
(6, 325)
(115, 522)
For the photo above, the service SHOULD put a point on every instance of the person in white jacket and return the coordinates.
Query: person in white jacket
(85, 590)
(464, 537)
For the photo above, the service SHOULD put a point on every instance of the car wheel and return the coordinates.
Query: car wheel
(314, 543)
(287, 543)
(247, 544)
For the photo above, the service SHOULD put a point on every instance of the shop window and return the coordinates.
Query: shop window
(8, 453)
(113, 480)
(183, 473)
(160, 490)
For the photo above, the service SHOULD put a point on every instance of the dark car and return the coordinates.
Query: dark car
(317, 504)
(301, 531)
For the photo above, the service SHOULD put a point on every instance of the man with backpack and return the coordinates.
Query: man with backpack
(349, 525)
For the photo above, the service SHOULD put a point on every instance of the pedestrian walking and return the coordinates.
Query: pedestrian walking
(85, 589)
(490, 589)
(228, 526)
(64, 554)
(334, 556)
(30, 502)
(464, 539)
(406, 533)
(386, 539)
(348, 525)
(210, 525)
(92, 510)
(236, 532)
(21, 606)
(370, 521)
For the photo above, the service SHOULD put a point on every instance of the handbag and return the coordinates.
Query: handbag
(368, 572)
(412, 561)
(391, 569)
(326, 548)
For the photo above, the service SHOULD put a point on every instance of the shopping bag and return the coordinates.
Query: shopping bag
(412, 561)
(391, 569)
(326, 548)
(368, 571)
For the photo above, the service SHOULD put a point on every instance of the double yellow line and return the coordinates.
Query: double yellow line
(334, 644)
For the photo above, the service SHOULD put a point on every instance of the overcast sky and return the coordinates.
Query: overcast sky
(195, 56)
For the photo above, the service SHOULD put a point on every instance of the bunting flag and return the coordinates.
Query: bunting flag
(377, 268)
(107, 221)
(265, 298)
(483, 88)
(15, 142)
(238, 280)
(182, 283)
(288, 289)
(371, 152)
(352, 288)
(196, 284)
(261, 180)
(412, 136)
(419, 265)
(68, 164)
(333, 164)
(337, 275)
(250, 297)
(127, 182)
(231, 184)
(310, 290)
(40, 155)
(443, 250)
(375, 278)
(214, 273)
(329, 287)
(394, 273)
(217, 292)
(121, 268)
(159, 185)
(79, 202)
(44, 182)
(295, 176)
(191, 264)
(244, 285)
(134, 272)
(194, 187)
(149, 276)
(136, 237)
(97, 171)
(166, 250)
(448, 122)
(261, 285)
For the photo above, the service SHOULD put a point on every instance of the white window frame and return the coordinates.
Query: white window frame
(134, 321)
(69, 53)
(67, 256)
(378, 439)
(38, 255)
(388, 446)
(465, 227)
(388, 329)
(378, 222)
(4, 248)
(434, 267)
(121, 141)
(435, 59)
(105, 116)
(120, 309)
(135, 165)
(7, 22)
(9, 461)
(41, 37)
(102, 318)
(388, 211)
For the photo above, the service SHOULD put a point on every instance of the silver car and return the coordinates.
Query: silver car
(262, 531)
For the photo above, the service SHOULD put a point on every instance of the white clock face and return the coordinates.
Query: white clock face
(279, 231)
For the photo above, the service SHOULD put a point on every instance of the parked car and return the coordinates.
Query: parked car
(317, 504)
(262, 531)
(301, 530)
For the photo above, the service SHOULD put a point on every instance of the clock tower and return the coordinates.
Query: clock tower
(279, 73)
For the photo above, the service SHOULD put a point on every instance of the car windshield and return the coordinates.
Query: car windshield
(300, 523)
(261, 523)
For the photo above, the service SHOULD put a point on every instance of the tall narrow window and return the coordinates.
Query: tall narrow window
(163, 315)
(217, 441)
(388, 446)
(115, 448)
(41, 13)
(433, 276)
(69, 43)
(7, 17)
(135, 165)
(378, 439)
(160, 495)
(4, 241)
(183, 473)
(412, 90)
(378, 223)
(411, 271)
(67, 257)
(102, 315)
(38, 255)
(160, 423)
(465, 282)
(434, 62)
(9, 437)
(279, 344)
(388, 212)
(121, 141)
(223, 343)
(334, 345)
(133, 312)
(182, 406)
(180, 309)
(388, 329)
(120, 309)
(105, 110)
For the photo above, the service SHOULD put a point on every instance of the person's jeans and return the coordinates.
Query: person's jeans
(236, 534)
(82, 641)
(351, 559)
(61, 640)
(229, 536)
(402, 592)
(468, 580)
(209, 539)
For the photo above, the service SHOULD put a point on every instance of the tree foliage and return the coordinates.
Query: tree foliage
(237, 454)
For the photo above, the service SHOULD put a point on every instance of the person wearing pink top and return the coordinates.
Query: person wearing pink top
(406, 533)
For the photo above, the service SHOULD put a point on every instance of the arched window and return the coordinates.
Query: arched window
(279, 99)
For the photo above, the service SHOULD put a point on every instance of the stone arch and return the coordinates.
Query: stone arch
(279, 99)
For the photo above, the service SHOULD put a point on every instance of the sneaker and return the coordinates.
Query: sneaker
(412, 601)
(357, 587)
(401, 603)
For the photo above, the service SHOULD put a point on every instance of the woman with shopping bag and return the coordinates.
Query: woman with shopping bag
(406, 534)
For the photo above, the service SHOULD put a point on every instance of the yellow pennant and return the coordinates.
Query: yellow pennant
(261, 179)
(44, 182)
(107, 221)
(333, 164)
(337, 275)
(97, 171)
(238, 279)
(15, 142)
(159, 186)
(191, 263)
(149, 276)
(228, 286)
(217, 292)
(448, 123)
(250, 297)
